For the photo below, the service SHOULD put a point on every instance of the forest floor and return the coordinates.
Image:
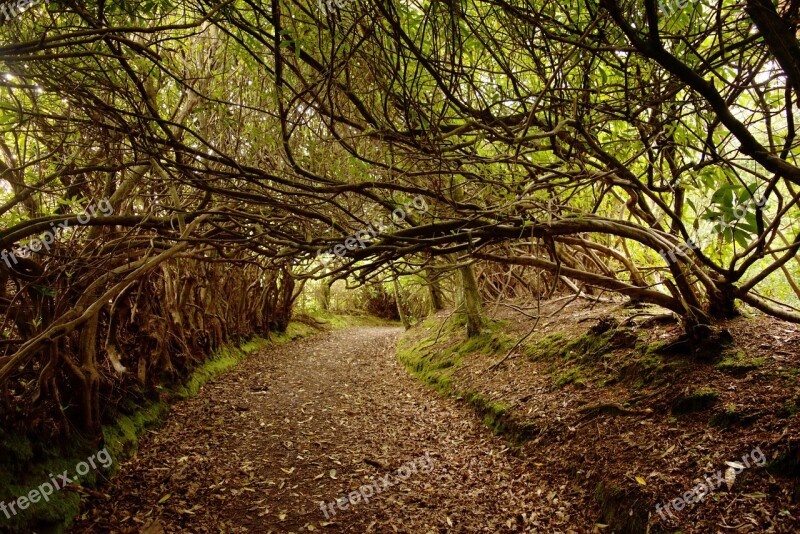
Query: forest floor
(642, 430)
(610, 417)
(311, 421)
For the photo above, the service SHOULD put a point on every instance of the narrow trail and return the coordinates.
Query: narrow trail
(256, 451)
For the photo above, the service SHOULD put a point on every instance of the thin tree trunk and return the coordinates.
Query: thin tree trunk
(435, 288)
(324, 295)
(399, 301)
(471, 300)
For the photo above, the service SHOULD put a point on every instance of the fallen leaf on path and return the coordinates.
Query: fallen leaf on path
(730, 477)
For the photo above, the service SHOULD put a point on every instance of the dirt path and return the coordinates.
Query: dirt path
(311, 421)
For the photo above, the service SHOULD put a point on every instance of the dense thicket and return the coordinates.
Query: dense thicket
(614, 146)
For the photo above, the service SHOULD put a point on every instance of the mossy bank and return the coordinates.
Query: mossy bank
(602, 399)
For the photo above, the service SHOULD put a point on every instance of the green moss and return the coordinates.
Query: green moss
(496, 417)
(435, 358)
(548, 348)
(16, 448)
(227, 357)
(336, 321)
(295, 330)
(791, 407)
(258, 342)
(121, 438)
(739, 363)
(725, 418)
(586, 348)
(649, 366)
(592, 346)
(484, 343)
(434, 368)
(223, 360)
(34, 464)
(653, 349)
(573, 375)
(589, 356)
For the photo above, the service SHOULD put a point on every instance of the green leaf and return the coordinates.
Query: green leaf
(742, 238)
(724, 195)
(749, 191)
(711, 215)
(748, 223)
(603, 76)
(727, 234)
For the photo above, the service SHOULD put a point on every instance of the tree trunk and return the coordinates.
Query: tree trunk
(324, 295)
(722, 302)
(470, 300)
(90, 386)
(435, 288)
(399, 301)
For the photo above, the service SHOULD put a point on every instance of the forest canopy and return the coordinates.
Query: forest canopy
(636, 148)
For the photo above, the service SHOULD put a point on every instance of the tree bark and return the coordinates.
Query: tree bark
(398, 298)
(470, 300)
(435, 288)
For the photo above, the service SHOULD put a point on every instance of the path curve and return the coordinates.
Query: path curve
(314, 420)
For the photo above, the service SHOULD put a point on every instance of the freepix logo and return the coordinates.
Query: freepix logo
(330, 3)
(710, 484)
(668, 7)
(365, 492)
(13, 9)
(360, 238)
(49, 237)
(45, 491)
